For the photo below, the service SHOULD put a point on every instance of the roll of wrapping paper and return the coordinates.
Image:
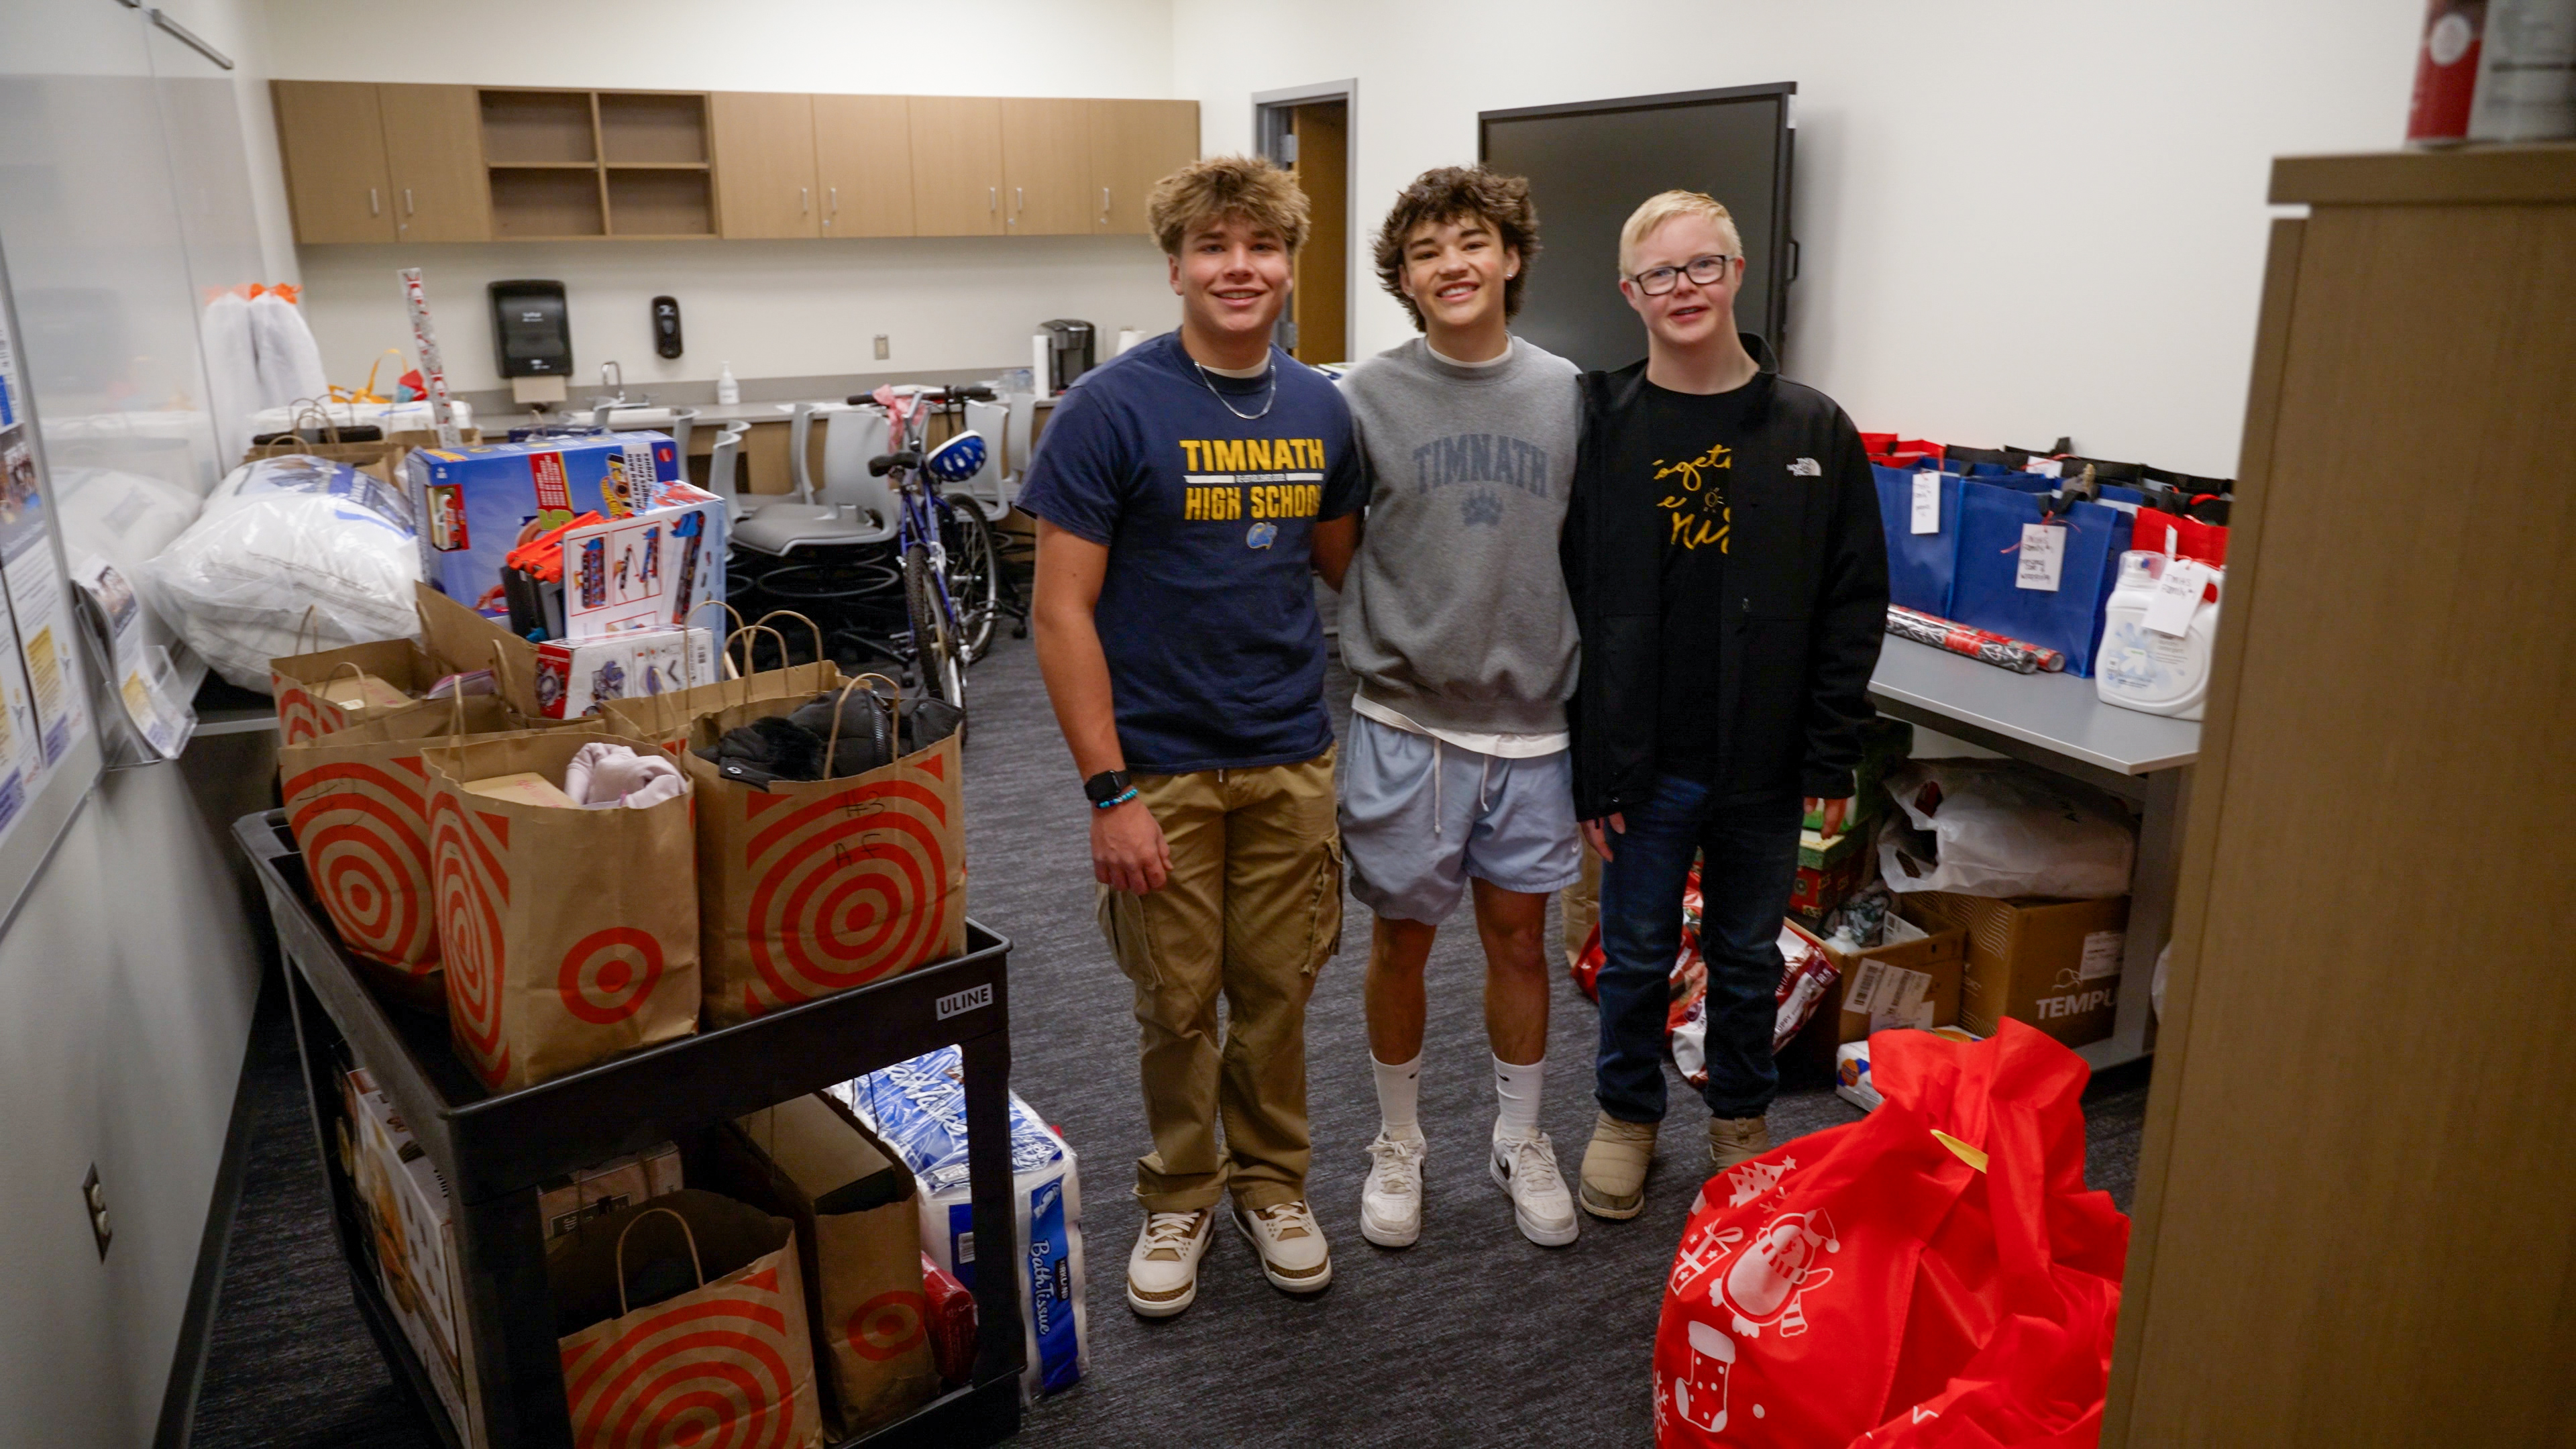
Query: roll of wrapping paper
(1996, 649)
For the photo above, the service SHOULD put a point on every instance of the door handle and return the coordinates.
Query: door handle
(407, 209)
(1019, 198)
(804, 199)
(374, 207)
(992, 198)
(1104, 203)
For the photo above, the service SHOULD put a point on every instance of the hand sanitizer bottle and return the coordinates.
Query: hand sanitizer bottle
(728, 391)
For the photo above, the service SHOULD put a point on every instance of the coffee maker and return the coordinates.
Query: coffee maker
(1069, 352)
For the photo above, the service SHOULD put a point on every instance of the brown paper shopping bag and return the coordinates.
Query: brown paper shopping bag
(726, 1361)
(665, 718)
(568, 935)
(319, 692)
(464, 640)
(812, 887)
(358, 802)
(858, 1232)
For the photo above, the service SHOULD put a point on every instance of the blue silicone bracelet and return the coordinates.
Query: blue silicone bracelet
(1128, 794)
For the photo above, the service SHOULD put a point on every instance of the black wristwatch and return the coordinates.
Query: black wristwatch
(1107, 788)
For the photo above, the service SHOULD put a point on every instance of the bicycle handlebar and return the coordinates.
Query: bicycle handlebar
(976, 392)
(881, 466)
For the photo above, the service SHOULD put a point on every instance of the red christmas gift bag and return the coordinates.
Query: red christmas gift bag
(1936, 1264)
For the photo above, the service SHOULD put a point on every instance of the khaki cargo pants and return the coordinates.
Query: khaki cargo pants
(1252, 910)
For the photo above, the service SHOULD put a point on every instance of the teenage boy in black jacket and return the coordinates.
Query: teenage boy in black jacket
(1730, 582)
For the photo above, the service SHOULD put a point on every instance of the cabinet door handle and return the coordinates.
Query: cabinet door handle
(1104, 203)
(804, 199)
(407, 211)
(832, 199)
(374, 206)
(1019, 198)
(992, 198)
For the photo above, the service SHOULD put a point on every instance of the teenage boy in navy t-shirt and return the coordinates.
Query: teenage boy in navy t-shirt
(1183, 493)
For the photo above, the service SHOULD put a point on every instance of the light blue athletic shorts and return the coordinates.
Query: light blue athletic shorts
(1419, 816)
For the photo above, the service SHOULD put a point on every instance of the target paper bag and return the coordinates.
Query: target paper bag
(858, 1229)
(665, 718)
(688, 1319)
(812, 887)
(358, 802)
(327, 691)
(568, 935)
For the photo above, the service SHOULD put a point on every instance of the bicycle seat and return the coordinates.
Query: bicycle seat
(885, 463)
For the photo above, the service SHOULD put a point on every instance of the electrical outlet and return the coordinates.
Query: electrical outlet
(883, 351)
(94, 1204)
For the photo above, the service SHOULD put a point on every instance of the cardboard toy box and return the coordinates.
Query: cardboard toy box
(2052, 964)
(405, 1208)
(567, 1202)
(476, 504)
(1883, 742)
(575, 677)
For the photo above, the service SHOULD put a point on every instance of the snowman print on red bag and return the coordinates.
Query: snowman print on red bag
(1759, 1283)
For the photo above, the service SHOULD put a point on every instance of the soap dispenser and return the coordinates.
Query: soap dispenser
(728, 391)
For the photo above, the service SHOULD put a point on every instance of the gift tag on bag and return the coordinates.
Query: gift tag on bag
(2177, 594)
(2043, 557)
(1927, 502)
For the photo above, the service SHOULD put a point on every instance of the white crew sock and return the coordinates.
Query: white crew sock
(1399, 1089)
(1518, 1088)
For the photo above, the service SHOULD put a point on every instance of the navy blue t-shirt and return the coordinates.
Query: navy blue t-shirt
(1207, 615)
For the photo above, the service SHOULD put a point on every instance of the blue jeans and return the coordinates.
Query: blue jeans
(1749, 867)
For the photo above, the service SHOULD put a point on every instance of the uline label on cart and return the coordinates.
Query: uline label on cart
(957, 1003)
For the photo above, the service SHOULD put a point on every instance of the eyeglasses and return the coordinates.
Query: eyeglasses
(1656, 281)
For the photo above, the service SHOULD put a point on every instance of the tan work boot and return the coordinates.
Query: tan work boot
(1737, 1139)
(1614, 1168)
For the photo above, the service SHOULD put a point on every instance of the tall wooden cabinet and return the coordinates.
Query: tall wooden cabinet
(2353, 1222)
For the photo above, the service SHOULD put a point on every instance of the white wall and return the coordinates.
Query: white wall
(2020, 218)
(128, 975)
(772, 309)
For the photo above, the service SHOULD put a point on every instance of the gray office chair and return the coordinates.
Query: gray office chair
(724, 462)
(850, 507)
(995, 485)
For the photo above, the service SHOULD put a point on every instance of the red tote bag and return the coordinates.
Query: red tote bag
(1936, 1274)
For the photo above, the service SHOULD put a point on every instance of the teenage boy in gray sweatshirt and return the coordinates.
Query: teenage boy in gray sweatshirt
(1456, 622)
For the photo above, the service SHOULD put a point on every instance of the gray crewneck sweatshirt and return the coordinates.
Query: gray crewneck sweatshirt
(1455, 612)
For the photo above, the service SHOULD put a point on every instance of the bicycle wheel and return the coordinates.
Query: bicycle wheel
(974, 577)
(934, 648)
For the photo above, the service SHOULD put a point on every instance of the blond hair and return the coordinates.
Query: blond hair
(1668, 205)
(1222, 188)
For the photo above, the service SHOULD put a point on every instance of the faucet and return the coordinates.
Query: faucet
(610, 375)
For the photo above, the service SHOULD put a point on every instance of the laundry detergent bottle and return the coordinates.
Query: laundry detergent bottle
(2145, 669)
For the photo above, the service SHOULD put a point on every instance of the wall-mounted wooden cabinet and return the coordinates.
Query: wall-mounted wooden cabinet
(381, 163)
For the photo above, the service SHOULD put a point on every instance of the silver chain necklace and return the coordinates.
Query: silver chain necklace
(1210, 384)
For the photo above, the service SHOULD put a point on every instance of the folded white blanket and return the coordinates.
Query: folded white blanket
(603, 776)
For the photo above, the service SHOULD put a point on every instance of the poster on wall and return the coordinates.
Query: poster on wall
(35, 591)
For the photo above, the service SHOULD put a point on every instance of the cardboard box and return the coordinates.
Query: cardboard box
(1920, 981)
(404, 1205)
(1851, 1069)
(476, 504)
(649, 571)
(574, 677)
(1883, 742)
(594, 1192)
(2052, 964)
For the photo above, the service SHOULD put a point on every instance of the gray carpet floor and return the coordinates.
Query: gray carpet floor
(1472, 1336)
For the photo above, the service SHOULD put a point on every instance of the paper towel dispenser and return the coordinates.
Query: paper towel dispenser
(531, 330)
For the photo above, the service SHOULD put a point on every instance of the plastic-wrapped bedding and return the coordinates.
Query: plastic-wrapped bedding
(282, 539)
(401, 417)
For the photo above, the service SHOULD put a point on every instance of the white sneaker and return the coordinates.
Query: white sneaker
(1525, 1167)
(1293, 1254)
(1163, 1270)
(1391, 1202)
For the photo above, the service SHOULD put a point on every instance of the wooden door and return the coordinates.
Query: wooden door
(863, 161)
(956, 165)
(2352, 1221)
(1133, 145)
(1046, 167)
(332, 138)
(1321, 304)
(434, 162)
(764, 155)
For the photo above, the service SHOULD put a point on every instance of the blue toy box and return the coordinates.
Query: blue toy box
(475, 504)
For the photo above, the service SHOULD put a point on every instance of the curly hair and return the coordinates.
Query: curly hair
(1454, 193)
(1245, 188)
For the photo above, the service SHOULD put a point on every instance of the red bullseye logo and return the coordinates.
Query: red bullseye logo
(888, 1324)
(298, 718)
(715, 1372)
(469, 936)
(362, 835)
(848, 889)
(608, 974)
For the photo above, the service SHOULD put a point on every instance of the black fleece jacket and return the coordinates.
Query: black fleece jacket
(1806, 596)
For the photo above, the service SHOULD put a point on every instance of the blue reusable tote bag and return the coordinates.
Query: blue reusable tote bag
(1919, 565)
(1985, 591)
